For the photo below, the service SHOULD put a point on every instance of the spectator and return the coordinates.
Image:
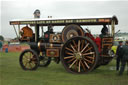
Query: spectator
(119, 55)
(1, 45)
(124, 58)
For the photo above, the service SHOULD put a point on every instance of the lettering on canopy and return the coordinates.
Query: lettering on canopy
(61, 21)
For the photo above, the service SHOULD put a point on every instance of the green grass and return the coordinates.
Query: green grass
(55, 74)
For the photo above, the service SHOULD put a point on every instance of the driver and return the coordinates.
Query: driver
(104, 30)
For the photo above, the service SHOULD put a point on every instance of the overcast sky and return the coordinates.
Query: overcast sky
(24, 9)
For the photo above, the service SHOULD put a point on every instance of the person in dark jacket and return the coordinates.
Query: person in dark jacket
(118, 53)
(124, 60)
(1, 45)
(104, 30)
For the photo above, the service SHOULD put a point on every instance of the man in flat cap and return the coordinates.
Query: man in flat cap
(119, 55)
(124, 60)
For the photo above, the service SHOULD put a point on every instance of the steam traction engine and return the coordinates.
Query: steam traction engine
(79, 51)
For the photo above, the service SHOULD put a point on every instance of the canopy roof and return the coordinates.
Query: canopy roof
(64, 21)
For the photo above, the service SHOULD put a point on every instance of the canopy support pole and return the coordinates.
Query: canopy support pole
(36, 33)
(113, 28)
(19, 30)
(15, 31)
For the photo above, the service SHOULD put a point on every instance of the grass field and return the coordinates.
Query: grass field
(55, 74)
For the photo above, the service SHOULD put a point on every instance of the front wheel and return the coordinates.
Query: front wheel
(79, 55)
(29, 60)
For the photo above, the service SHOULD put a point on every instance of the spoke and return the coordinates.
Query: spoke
(69, 53)
(79, 46)
(33, 62)
(85, 47)
(25, 60)
(90, 57)
(68, 57)
(76, 65)
(26, 64)
(86, 64)
(33, 59)
(82, 65)
(88, 61)
(26, 56)
(30, 55)
(30, 65)
(79, 67)
(71, 60)
(72, 63)
(82, 44)
(74, 43)
(69, 49)
(88, 49)
(88, 53)
(73, 48)
(36, 62)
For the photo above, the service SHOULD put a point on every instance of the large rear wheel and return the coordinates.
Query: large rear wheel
(79, 55)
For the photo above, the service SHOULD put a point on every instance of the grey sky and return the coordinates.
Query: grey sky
(24, 9)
